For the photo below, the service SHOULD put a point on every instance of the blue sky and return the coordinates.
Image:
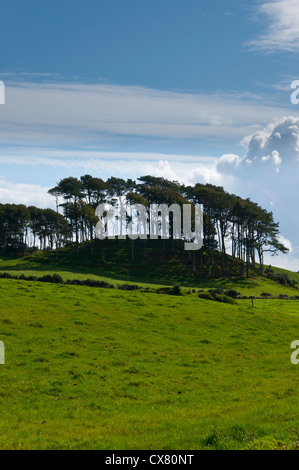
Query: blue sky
(196, 90)
(196, 45)
(166, 44)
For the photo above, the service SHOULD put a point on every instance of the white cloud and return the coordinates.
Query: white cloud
(277, 143)
(28, 194)
(227, 161)
(269, 174)
(288, 261)
(276, 158)
(187, 173)
(282, 31)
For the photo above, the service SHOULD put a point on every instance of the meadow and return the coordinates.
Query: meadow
(91, 368)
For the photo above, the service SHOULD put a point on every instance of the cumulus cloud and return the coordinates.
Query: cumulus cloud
(228, 161)
(186, 173)
(273, 148)
(281, 137)
(282, 28)
(268, 172)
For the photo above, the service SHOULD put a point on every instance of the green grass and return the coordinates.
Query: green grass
(91, 368)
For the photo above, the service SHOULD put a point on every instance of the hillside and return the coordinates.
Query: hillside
(157, 264)
(105, 369)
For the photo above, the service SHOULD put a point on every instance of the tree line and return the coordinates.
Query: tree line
(232, 225)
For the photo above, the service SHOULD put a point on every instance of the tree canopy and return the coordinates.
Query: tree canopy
(232, 225)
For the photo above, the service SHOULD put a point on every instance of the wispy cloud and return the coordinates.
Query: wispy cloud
(75, 115)
(281, 30)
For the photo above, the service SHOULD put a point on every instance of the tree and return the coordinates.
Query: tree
(71, 189)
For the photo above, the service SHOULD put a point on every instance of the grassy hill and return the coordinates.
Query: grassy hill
(155, 261)
(92, 368)
(150, 267)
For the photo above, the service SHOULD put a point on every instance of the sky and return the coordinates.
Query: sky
(193, 90)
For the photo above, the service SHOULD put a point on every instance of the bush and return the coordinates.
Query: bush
(211, 295)
(169, 290)
(282, 278)
(232, 293)
(216, 291)
(206, 296)
(176, 290)
(6, 276)
(95, 283)
(55, 279)
(224, 298)
(129, 287)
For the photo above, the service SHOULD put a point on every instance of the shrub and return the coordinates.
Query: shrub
(208, 295)
(224, 298)
(55, 279)
(169, 290)
(232, 293)
(205, 296)
(95, 283)
(6, 276)
(176, 290)
(281, 278)
(129, 287)
(216, 291)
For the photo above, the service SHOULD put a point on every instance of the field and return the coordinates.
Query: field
(90, 368)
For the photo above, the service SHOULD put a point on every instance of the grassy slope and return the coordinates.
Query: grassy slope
(157, 263)
(155, 268)
(104, 369)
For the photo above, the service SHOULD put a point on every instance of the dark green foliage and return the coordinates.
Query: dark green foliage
(216, 291)
(176, 290)
(89, 283)
(129, 287)
(206, 296)
(281, 278)
(234, 294)
(212, 295)
(55, 279)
